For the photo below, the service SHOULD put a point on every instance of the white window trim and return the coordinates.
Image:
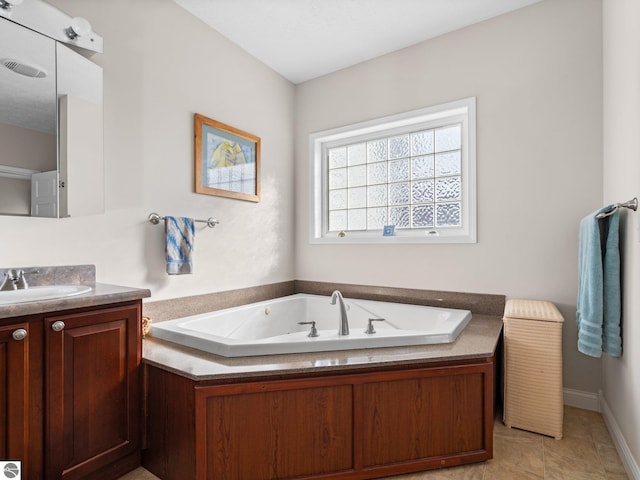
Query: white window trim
(319, 141)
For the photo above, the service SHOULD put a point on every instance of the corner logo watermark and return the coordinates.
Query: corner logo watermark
(10, 469)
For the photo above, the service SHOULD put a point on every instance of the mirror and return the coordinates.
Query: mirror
(51, 163)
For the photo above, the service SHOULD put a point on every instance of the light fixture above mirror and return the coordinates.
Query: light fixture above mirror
(9, 4)
(80, 27)
(46, 19)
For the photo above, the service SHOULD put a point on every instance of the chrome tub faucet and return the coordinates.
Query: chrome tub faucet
(343, 327)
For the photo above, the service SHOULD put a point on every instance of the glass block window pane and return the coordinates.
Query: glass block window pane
(338, 199)
(338, 157)
(399, 170)
(448, 138)
(376, 218)
(358, 197)
(422, 167)
(377, 173)
(357, 219)
(448, 188)
(356, 154)
(448, 215)
(357, 176)
(377, 196)
(377, 150)
(398, 193)
(448, 163)
(337, 178)
(422, 143)
(399, 216)
(422, 192)
(413, 178)
(399, 147)
(337, 220)
(422, 216)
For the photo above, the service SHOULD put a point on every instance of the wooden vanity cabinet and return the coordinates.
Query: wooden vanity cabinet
(80, 371)
(15, 343)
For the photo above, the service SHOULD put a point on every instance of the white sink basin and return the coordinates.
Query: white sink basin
(46, 292)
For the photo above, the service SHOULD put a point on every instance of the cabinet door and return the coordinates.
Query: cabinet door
(300, 428)
(92, 390)
(14, 377)
(439, 415)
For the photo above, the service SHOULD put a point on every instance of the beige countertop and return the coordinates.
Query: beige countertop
(100, 294)
(478, 340)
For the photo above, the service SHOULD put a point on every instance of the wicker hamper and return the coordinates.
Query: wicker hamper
(533, 367)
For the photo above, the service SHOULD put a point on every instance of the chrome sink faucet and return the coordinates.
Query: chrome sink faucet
(343, 327)
(14, 280)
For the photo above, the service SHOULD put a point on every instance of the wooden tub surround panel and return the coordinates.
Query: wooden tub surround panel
(350, 425)
(284, 430)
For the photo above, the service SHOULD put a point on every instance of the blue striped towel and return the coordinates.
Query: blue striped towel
(598, 309)
(180, 232)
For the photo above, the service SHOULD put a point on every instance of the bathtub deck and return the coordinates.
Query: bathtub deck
(477, 341)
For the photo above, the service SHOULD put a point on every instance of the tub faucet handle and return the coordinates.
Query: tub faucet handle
(314, 330)
(370, 330)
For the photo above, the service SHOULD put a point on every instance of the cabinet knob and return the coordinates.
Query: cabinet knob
(19, 334)
(58, 326)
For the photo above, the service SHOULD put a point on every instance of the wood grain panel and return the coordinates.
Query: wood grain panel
(170, 440)
(428, 417)
(279, 434)
(350, 426)
(14, 394)
(93, 408)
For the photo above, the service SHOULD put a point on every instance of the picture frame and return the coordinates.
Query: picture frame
(226, 160)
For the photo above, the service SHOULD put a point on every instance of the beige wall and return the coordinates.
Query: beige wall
(621, 376)
(161, 65)
(26, 148)
(23, 148)
(536, 74)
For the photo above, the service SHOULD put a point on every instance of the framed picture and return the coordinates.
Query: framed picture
(227, 160)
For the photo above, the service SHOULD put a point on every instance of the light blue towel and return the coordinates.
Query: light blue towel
(180, 233)
(598, 312)
(612, 339)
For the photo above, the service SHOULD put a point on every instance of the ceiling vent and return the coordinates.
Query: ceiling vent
(23, 68)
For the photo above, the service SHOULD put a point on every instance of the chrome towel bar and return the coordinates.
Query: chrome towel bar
(154, 218)
(632, 204)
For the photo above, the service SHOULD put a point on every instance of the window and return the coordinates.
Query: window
(415, 171)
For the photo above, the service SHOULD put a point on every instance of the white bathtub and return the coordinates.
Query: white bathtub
(271, 327)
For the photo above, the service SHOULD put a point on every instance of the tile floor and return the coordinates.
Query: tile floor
(586, 452)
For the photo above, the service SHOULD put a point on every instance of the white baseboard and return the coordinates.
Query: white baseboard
(580, 399)
(630, 464)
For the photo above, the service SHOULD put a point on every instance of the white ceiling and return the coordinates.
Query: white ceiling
(305, 39)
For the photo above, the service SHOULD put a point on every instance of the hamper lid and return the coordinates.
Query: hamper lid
(532, 310)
